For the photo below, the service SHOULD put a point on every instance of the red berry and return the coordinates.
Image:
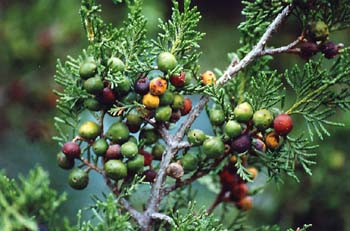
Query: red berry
(108, 96)
(148, 157)
(113, 152)
(71, 150)
(150, 175)
(178, 80)
(187, 107)
(226, 177)
(239, 191)
(283, 124)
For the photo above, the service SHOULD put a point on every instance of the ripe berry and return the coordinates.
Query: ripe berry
(78, 179)
(239, 191)
(283, 124)
(115, 169)
(100, 147)
(187, 107)
(319, 31)
(71, 150)
(208, 78)
(157, 151)
(150, 101)
(167, 98)
(308, 49)
(262, 119)
(166, 61)
(245, 203)
(87, 69)
(178, 80)
(113, 152)
(259, 145)
(64, 162)
(92, 104)
(243, 112)
(150, 175)
(232, 128)
(147, 157)
(149, 136)
(217, 117)
(178, 102)
(108, 97)
(213, 147)
(129, 149)
(227, 178)
(241, 144)
(196, 137)
(175, 116)
(118, 133)
(163, 114)
(272, 140)
(175, 170)
(158, 86)
(136, 164)
(89, 130)
(330, 50)
(115, 64)
(253, 172)
(93, 85)
(190, 161)
(142, 86)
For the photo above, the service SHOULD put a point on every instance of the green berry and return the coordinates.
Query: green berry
(92, 104)
(157, 151)
(178, 102)
(217, 117)
(232, 129)
(129, 149)
(166, 61)
(196, 137)
(167, 98)
(78, 179)
(87, 69)
(190, 161)
(319, 31)
(93, 85)
(64, 162)
(89, 130)
(124, 86)
(116, 169)
(136, 164)
(243, 112)
(149, 136)
(115, 64)
(100, 147)
(262, 119)
(163, 114)
(118, 133)
(213, 147)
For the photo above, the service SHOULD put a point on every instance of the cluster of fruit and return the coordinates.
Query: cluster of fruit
(317, 39)
(123, 155)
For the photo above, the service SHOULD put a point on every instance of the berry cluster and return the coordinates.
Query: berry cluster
(317, 40)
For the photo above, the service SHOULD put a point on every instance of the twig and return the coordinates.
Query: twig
(161, 216)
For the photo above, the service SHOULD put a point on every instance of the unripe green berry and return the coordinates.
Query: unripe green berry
(100, 147)
(213, 147)
(87, 69)
(116, 169)
(166, 61)
(118, 133)
(196, 137)
(93, 85)
(262, 119)
(136, 164)
(115, 64)
(89, 130)
(129, 149)
(243, 112)
(163, 114)
(232, 128)
(78, 179)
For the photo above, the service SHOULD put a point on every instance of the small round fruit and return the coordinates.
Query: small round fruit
(147, 157)
(163, 114)
(178, 102)
(272, 140)
(175, 116)
(150, 101)
(78, 179)
(178, 80)
(158, 86)
(217, 117)
(245, 203)
(129, 149)
(157, 151)
(136, 164)
(167, 98)
(87, 69)
(213, 147)
(150, 175)
(175, 170)
(123, 87)
(100, 147)
(118, 133)
(330, 50)
(253, 172)
(115, 169)
(71, 150)
(243, 112)
(196, 137)
(241, 144)
(208, 78)
(232, 128)
(262, 119)
(187, 107)
(319, 31)
(113, 152)
(149, 136)
(283, 124)
(93, 85)
(142, 86)
(92, 104)
(190, 161)
(89, 130)
(239, 191)
(108, 97)
(166, 61)
(134, 118)
(308, 49)
(115, 64)
(64, 162)
(259, 145)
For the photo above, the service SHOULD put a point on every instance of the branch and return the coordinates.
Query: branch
(161, 216)
(290, 48)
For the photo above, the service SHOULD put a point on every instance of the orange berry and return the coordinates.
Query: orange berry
(208, 78)
(253, 172)
(272, 140)
(158, 86)
(245, 203)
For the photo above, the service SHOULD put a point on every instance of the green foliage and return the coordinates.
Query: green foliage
(29, 202)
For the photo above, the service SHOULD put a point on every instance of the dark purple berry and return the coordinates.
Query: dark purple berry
(150, 175)
(108, 97)
(241, 143)
(329, 49)
(308, 49)
(175, 116)
(71, 150)
(142, 86)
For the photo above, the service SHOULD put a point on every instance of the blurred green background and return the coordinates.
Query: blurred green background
(33, 34)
